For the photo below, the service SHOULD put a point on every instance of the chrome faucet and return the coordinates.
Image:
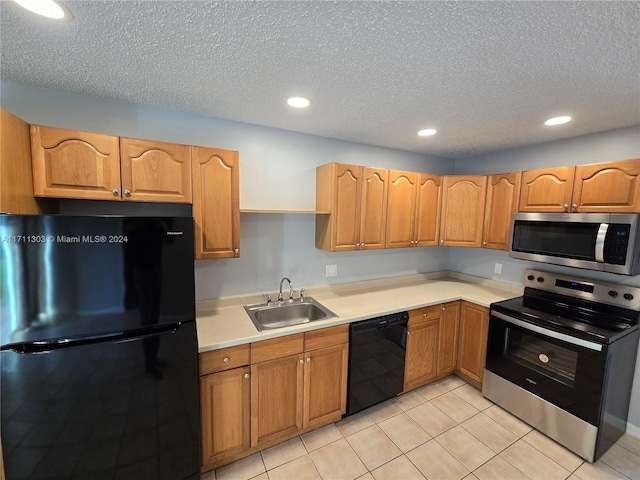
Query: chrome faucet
(290, 289)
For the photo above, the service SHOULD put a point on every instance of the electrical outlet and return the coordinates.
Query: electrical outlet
(498, 268)
(332, 271)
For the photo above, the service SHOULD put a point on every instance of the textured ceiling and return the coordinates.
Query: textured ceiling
(484, 74)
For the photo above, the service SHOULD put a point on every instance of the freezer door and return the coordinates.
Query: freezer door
(75, 276)
(120, 409)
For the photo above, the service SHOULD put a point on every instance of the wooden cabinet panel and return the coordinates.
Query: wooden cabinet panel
(607, 187)
(325, 384)
(16, 176)
(422, 347)
(547, 190)
(155, 171)
(448, 338)
(224, 359)
(503, 194)
(325, 337)
(276, 347)
(373, 210)
(472, 343)
(276, 398)
(216, 203)
(225, 414)
(428, 205)
(401, 208)
(75, 164)
(346, 207)
(462, 216)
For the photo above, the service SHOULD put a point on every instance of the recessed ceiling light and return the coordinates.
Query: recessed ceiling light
(46, 8)
(427, 132)
(557, 121)
(298, 102)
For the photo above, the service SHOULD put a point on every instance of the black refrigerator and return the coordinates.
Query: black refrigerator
(98, 356)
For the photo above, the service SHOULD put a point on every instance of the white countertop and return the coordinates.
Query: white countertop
(224, 322)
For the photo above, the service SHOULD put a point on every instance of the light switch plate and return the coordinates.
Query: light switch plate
(498, 268)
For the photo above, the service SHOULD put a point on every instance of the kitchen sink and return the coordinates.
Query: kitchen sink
(267, 316)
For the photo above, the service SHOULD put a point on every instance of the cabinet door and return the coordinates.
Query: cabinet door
(225, 414)
(472, 344)
(503, 193)
(463, 199)
(607, 187)
(75, 164)
(325, 384)
(401, 209)
(373, 211)
(448, 338)
(216, 203)
(547, 190)
(428, 203)
(155, 171)
(276, 398)
(346, 207)
(421, 358)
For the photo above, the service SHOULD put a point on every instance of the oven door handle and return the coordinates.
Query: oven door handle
(602, 235)
(549, 333)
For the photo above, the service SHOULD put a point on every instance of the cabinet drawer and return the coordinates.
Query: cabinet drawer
(224, 359)
(277, 347)
(425, 314)
(326, 337)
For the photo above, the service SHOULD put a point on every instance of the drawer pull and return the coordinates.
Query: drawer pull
(225, 359)
(246, 375)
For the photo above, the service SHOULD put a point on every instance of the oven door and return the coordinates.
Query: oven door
(563, 370)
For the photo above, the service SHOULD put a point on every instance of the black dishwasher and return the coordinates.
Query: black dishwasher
(376, 360)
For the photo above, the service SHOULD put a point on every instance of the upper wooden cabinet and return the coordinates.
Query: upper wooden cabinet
(503, 194)
(216, 203)
(607, 187)
(462, 213)
(357, 199)
(610, 187)
(78, 164)
(75, 164)
(155, 171)
(413, 209)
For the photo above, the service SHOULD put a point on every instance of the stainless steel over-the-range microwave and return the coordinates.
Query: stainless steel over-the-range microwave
(609, 242)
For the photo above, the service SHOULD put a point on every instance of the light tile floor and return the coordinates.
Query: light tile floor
(445, 430)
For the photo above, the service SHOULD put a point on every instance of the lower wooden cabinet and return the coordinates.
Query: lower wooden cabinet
(225, 414)
(448, 338)
(472, 342)
(421, 358)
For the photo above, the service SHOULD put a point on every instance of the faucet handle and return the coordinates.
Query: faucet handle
(268, 299)
(301, 294)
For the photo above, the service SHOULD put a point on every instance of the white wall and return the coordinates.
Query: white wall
(277, 171)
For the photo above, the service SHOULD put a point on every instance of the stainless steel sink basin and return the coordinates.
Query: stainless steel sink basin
(287, 313)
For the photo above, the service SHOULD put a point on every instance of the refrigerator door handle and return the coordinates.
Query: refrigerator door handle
(47, 346)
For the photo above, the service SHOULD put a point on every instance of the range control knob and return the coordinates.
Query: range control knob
(540, 279)
(628, 296)
(613, 293)
(531, 278)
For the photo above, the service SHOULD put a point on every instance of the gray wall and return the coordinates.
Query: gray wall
(277, 171)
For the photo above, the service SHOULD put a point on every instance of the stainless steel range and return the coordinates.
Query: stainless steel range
(562, 358)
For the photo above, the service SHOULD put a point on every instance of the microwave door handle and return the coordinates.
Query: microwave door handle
(602, 234)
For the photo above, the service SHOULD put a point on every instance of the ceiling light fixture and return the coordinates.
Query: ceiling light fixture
(427, 132)
(298, 102)
(46, 8)
(557, 121)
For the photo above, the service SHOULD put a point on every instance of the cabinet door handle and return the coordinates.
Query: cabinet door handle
(115, 192)
(441, 241)
(566, 207)
(357, 245)
(408, 332)
(362, 245)
(301, 361)
(484, 244)
(225, 359)
(246, 375)
(236, 251)
(127, 193)
(308, 359)
(574, 206)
